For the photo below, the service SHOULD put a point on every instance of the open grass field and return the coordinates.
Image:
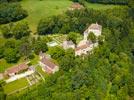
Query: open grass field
(101, 6)
(16, 85)
(20, 93)
(38, 9)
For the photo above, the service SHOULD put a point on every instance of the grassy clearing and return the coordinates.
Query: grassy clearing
(102, 6)
(38, 9)
(20, 93)
(39, 69)
(34, 60)
(16, 85)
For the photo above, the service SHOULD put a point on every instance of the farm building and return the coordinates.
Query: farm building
(47, 65)
(16, 69)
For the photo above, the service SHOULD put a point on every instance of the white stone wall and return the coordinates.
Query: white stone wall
(55, 69)
(19, 76)
(96, 33)
(84, 51)
(68, 46)
(78, 53)
(11, 74)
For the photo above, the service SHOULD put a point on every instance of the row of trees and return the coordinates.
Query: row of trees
(121, 2)
(79, 20)
(3, 1)
(11, 12)
(116, 2)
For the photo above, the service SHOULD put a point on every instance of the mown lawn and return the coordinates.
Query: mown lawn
(39, 69)
(38, 9)
(101, 6)
(15, 85)
(35, 60)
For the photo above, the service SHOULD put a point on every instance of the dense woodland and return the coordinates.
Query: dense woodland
(106, 74)
(11, 12)
(9, 0)
(120, 2)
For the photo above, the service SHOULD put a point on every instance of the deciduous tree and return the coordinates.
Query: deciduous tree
(11, 55)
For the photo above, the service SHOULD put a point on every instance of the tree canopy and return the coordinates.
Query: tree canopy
(105, 74)
(11, 12)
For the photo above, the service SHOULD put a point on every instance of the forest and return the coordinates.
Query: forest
(105, 74)
(120, 2)
(11, 12)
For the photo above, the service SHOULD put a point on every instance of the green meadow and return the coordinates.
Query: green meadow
(38, 9)
(15, 85)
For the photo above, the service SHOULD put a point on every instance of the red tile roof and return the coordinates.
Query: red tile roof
(17, 68)
(76, 6)
(48, 63)
(82, 47)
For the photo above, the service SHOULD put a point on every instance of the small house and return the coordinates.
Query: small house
(47, 65)
(68, 44)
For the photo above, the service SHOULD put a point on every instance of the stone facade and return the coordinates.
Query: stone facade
(95, 28)
(68, 44)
